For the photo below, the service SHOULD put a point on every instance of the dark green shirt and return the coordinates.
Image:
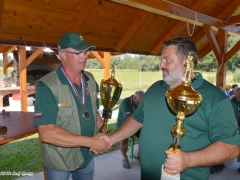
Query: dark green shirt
(47, 105)
(214, 120)
(127, 106)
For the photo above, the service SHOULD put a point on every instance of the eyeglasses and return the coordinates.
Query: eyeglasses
(81, 53)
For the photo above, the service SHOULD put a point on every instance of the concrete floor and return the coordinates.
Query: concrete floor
(109, 167)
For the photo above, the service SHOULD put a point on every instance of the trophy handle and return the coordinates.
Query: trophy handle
(178, 132)
(104, 127)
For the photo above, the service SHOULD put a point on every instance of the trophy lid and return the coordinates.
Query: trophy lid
(184, 92)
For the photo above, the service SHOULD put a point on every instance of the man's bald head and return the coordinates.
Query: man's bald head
(137, 97)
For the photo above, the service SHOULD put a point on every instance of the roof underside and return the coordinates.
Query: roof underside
(132, 26)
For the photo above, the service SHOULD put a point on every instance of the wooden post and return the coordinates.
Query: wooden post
(5, 63)
(107, 65)
(222, 63)
(23, 77)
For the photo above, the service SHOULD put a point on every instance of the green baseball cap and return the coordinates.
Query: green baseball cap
(75, 41)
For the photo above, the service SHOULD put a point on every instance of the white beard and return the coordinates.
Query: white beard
(174, 77)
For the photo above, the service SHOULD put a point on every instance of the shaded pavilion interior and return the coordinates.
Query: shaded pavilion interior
(116, 27)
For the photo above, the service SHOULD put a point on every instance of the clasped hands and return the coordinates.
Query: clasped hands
(101, 143)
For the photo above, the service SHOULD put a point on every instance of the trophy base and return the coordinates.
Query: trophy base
(166, 176)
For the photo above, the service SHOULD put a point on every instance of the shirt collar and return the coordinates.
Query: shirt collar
(63, 78)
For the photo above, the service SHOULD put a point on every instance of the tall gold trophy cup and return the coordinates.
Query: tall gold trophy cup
(110, 92)
(183, 100)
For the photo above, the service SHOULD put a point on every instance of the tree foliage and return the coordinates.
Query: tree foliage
(128, 61)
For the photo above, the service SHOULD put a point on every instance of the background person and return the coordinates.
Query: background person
(232, 92)
(127, 107)
(66, 114)
(207, 140)
(228, 89)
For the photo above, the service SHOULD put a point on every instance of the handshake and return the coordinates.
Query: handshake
(101, 143)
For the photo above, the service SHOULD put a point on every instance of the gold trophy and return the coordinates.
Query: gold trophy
(110, 92)
(183, 100)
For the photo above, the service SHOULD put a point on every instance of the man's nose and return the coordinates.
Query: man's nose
(162, 64)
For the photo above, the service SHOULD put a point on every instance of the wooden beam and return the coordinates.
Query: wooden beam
(10, 49)
(178, 27)
(198, 36)
(5, 62)
(177, 12)
(221, 70)
(232, 51)
(107, 65)
(34, 56)
(169, 35)
(204, 52)
(213, 42)
(84, 10)
(229, 10)
(137, 24)
(99, 58)
(233, 20)
(23, 77)
(10, 64)
(1, 15)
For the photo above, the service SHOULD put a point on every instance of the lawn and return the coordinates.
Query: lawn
(23, 156)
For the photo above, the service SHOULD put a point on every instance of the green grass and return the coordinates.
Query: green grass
(20, 157)
(24, 155)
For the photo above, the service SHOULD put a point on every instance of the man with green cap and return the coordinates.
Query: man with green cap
(66, 113)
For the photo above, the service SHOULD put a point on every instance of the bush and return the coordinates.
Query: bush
(236, 75)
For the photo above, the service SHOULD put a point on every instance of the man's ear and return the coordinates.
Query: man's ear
(62, 55)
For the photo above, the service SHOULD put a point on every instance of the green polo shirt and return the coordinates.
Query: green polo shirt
(46, 104)
(214, 120)
(236, 108)
(127, 106)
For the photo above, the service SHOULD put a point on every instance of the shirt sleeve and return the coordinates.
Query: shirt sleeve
(138, 115)
(45, 107)
(222, 123)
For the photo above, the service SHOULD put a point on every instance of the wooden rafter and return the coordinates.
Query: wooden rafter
(10, 64)
(34, 56)
(204, 52)
(232, 51)
(198, 36)
(212, 41)
(84, 11)
(173, 31)
(138, 23)
(179, 13)
(229, 10)
(180, 25)
(99, 58)
(232, 20)
(9, 49)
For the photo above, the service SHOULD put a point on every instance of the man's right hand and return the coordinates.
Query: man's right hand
(100, 145)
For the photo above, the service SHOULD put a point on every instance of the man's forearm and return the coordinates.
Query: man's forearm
(126, 130)
(215, 153)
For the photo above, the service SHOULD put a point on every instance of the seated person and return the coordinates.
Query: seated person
(127, 107)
